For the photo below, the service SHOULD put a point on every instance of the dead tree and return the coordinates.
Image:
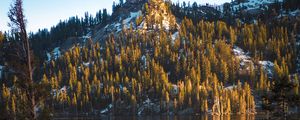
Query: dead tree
(23, 53)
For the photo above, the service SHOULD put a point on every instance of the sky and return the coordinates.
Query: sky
(47, 13)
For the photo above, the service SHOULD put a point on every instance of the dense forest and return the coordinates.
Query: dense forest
(193, 65)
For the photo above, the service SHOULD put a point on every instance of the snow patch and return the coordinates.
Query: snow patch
(148, 104)
(174, 36)
(174, 90)
(295, 12)
(242, 56)
(254, 4)
(87, 64)
(118, 26)
(55, 54)
(291, 13)
(106, 109)
(56, 92)
(126, 22)
(144, 61)
(230, 87)
(268, 66)
(63, 89)
(166, 24)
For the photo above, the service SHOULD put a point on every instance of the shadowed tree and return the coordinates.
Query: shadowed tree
(21, 56)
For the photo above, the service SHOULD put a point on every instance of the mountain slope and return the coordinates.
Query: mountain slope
(151, 58)
(143, 17)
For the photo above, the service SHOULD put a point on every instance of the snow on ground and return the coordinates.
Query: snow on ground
(118, 26)
(55, 54)
(86, 64)
(86, 37)
(142, 25)
(106, 109)
(166, 23)
(254, 4)
(230, 87)
(48, 57)
(244, 58)
(240, 53)
(106, 26)
(268, 66)
(174, 90)
(63, 89)
(174, 36)
(133, 15)
(291, 13)
(56, 92)
(298, 43)
(148, 104)
(144, 61)
(295, 13)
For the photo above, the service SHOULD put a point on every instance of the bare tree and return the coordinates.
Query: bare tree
(23, 53)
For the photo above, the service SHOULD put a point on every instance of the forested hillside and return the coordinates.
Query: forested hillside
(161, 59)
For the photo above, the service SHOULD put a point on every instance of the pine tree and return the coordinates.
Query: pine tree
(13, 106)
(134, 104)
(224, 71)
(45, 79)
(175, 105)
(5, 98)
(232, 36)
(104, 16)
(78, 89)
(1, 37)
(278, 73)
(167, 97)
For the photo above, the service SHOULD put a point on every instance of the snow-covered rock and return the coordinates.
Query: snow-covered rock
(117, 26)
(230, 87)
(268, 66)
(133, 15)
(295, 13)
(174, 90)
(244, 58)
(254, 4)
(174, 36)
(240, 53)
(87, 64)
(55, 54)
(149, 105)
(56, 92)
(106, 109)
(63, 89)
(144, 61)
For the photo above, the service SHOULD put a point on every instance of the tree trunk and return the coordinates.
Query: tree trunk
(17, 18)
(30, 71)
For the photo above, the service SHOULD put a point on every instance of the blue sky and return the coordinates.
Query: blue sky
(46, 13)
